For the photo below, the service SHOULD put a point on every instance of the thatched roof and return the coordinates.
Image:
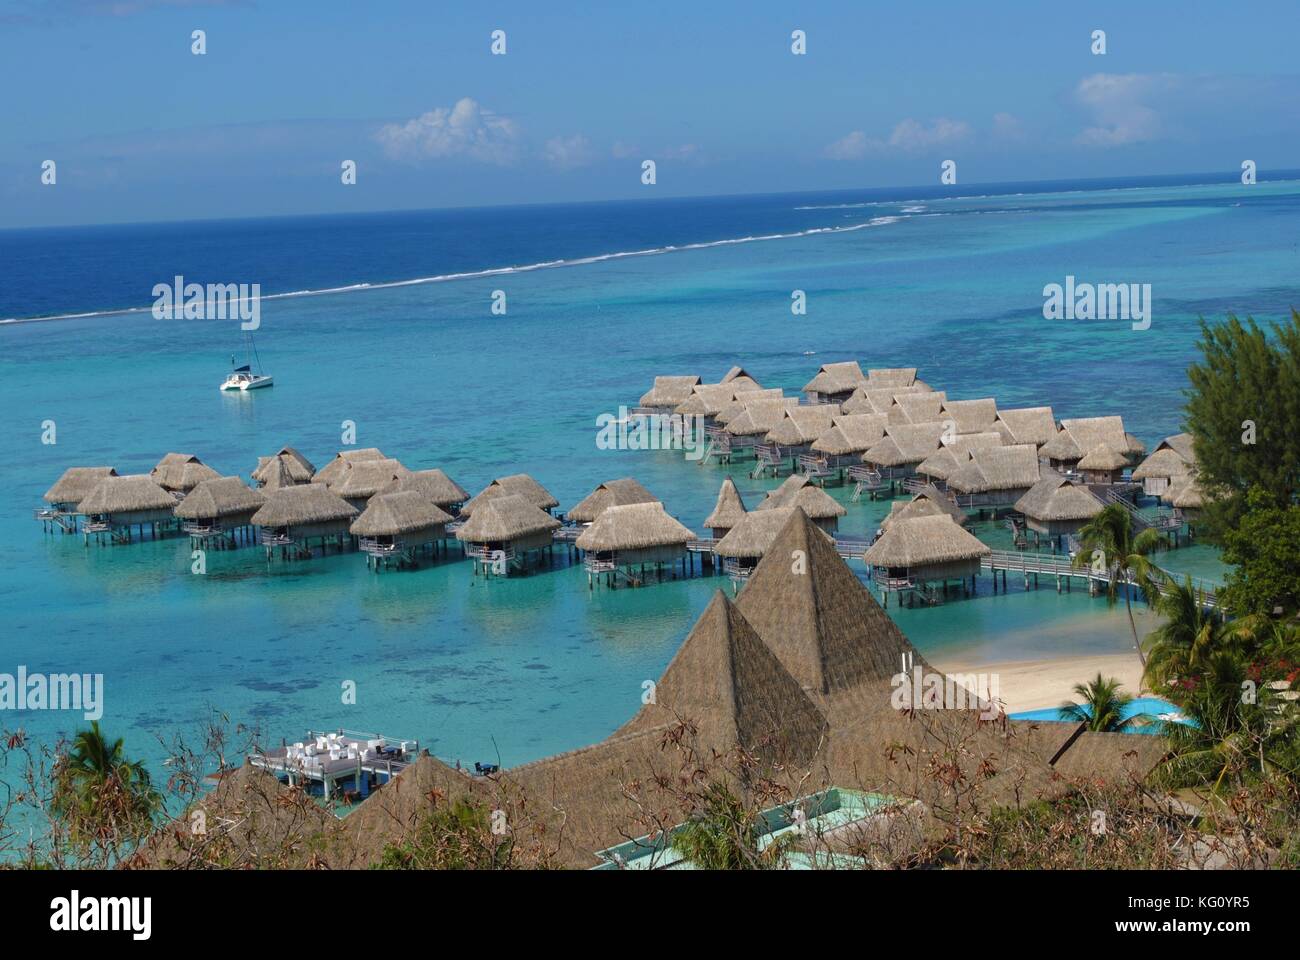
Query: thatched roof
(892, 376)
(760, 416)
(1182, 444)
(130, 494)
(1187, 495)
(518, 484)
(754, 533)
(1077, 437)
(819, 619)
(836, 378)
(803, 425)
(393, 514)
(506, 516)
(301, 505)
(182, 472)
(669, 391)
(740, 378)
(278, 474)
(954, 454)
(798, 491)
(1054, 498)
(76, 483)
(916, 408)
(635, 526)
(434, 485)
(300, 468)
(734, 690)
(1034, 425)
(928, 502)
(853, 433)
(333, 470)
(997, 468)
(611, 493)
(365, 478)
(905, 443)
(1134, 446)
(222, 497)
(729, 509)
(923, 542)
(1103, 457)
(1174, 457)
(971, 416)
(706, 400)
(733, 408)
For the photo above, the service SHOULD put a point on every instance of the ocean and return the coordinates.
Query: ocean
(600, 298)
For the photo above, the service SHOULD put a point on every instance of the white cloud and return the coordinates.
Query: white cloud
(907, 136)
(565, 153)
(1119, 107)
(464, 130)
(852, 146)
(1007, 127)
(621, 150)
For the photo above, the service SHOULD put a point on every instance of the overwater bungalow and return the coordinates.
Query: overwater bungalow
(119, 505)
(295, 517)
(504, 530)
(798, 491)
(918, 407)
(895, 377)
(740, 379)
(747, 428)
(794, 435)
(180, 473)
(971, 416)
(744, 545)
(1056, 507)
(1103, 465)
(736, 406)
(903, 448)
(1077, 437)
(1169, 464)
(395, 527)
(626, 539)
(435, 486)
(611, 493)
(928, 501)
(64, 498)
(727, 512)
(667, 393)
(299, 468)
(955, 454)
(277, 475)
(707, 400)
(1019, 425)
(362, 479)
(517, 484)
(219, 513)
(835, 382)
(917, 553)
(995, 476)
(1187, 498)
(843, 445)
(333, 471)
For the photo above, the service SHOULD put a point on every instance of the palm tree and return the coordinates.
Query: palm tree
(104, 797)
(1182, 645)
(1102, 708)
(1108, 538)
(724, 835)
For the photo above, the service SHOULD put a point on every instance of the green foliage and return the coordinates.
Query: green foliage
(1263, 546)
(1109, 537)
(724, 835)
(1246, 373)
(456, 836)
(1181, 646)
(1102, 706)
(102, 797)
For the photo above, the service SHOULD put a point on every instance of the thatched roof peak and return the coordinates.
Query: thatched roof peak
(222, 497)
(76, 483)
(971, 416)
(398, 513)
(609, 494)
(130, 494)
(634, 526)
(804, 424)
(333, 470)
(181, 472)
(434, 485)
(669, 391)
(302, 505)
(923, 542)
(505, 517)
(905, 443)
(1103, 457)
(852, 433)
(518, 484)
(760, 416)
(729, 509)
(300, 469)
(892, 376)
(736, 406)
(1054, 498)
(836, 378)
(740, 376)
(928, 502)
(798, 491)
(997, 468)
(916, 408)
(1034, 425)
(365, 478)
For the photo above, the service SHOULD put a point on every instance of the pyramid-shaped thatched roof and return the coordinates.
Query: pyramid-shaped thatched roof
(729, 510)
(803, 425)
(799, 491)
(760, 416)
(1103, 457)
(365, 478)
(611, 493)
(836, 378)
(669, 391)
(277, 474)
(181, 472)
(302, 505)
(300, 468)
(928, 502)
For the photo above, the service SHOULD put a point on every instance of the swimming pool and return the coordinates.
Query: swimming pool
(1154, 707)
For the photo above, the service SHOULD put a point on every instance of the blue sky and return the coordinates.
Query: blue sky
(142, 129)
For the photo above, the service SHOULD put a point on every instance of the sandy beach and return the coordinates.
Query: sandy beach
(1039, 684)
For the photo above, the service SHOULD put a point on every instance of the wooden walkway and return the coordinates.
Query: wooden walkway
(1059, 566)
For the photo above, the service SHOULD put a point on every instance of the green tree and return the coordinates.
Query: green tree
(724, 834)
(1263, 547)
(1182, 644)
(1108, 539)
(454, 836)
(1102, 706)
(102, 797)
(1243, 410)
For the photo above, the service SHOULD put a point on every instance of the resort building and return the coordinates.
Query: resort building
(220, 512)
(707, 400)
(1187, 498)
(1103, 465)
(902, 449)
(794, 435)
(740, 379)
(119, 505)
(995, 476)
(918, 407)
(953, 455)
(736, 406)
(64, 498)
(180, 473)
(1020, 425)
(1077, 437)
(745, 544)
(395, 527)
(971, 416)
(624, 540)
(928, 501)
(799, 492)
(1056, 507)
(361, 480)
(897, 378)
(300, 469)
(834, 382)
(850, 436)
(505, 530)
(435, 486)
(916, 553)
(667, 394)
(517, 484)
(1168, 465)
(296, 517)
(727, 512)
(333, 471)
(611, 493)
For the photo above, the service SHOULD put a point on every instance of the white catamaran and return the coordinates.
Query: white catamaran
(243, 378)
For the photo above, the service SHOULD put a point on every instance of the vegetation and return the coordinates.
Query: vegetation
(454, 836)
(1263, 547)
(1108, 539)
(1102, 707)
(101, 796)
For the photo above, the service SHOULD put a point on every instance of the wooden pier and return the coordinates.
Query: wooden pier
(1063, 569)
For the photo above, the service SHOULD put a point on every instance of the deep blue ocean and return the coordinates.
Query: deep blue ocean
(949, 282)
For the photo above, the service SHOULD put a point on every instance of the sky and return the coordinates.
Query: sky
(141, 128)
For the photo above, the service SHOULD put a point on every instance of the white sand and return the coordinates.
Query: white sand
(1040, 684)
